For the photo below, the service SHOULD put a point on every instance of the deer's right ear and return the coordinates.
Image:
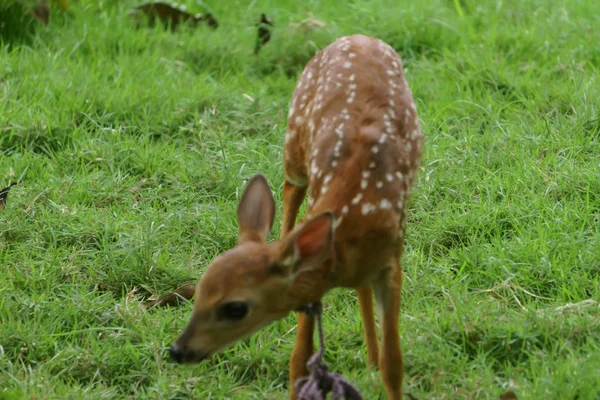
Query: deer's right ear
(256, 211)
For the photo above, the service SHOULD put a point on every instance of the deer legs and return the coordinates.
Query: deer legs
(303, 348)
(365, 299)
(293, 196)
(387, 293)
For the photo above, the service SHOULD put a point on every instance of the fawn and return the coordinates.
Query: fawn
(354, 139)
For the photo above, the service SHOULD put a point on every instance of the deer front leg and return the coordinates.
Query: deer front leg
(292, 200)
(387, 292)
(303, 348)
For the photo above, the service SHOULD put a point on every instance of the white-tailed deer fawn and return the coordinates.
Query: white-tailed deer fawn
(354, 140)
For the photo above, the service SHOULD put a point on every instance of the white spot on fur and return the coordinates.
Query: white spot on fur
(347, 64)
(379, 184)
(313, 168)
(345, 210)
(372, 165)
(366, 174)
(400, 176)
(363, 184)
(385, 204)
(375, 149)
(327, 179)
(368, 208)
(351, 55)
(351, 78)
(389, 177)
(337, 222)
(357, 198)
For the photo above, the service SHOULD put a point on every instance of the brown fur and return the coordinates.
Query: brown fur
(355, 143)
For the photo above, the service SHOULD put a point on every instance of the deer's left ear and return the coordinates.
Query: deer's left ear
(256, 211)
(315, 238)
(309, 246)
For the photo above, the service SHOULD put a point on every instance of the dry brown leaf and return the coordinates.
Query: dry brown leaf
(64, 4)
(185, 292)
(508, 395)
(309, 24)
(264, 25)
(4, 195)
(41, 12)
(169, 14)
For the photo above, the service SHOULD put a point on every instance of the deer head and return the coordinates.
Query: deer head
(256, 283)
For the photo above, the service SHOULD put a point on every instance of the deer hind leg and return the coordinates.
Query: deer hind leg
(387, 294)
(365, 300)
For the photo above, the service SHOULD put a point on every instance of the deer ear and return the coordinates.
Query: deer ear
(308, 247)
(315, 237)
(256, 211)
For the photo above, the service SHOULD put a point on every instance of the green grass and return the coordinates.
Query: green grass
(134, 146)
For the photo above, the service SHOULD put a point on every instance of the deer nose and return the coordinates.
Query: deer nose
(176, 354)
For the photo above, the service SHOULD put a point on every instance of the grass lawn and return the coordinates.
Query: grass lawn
(133, 147)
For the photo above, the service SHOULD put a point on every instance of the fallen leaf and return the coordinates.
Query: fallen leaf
(64, 4)
(41, 12)
(169, 14)
(185, 292)
(264, 25)
(508, 395)
(4, 195)
(309, 24)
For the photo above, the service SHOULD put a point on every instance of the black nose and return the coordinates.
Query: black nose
(176, 354)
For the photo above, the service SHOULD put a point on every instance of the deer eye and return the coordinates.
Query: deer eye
(233, 311)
